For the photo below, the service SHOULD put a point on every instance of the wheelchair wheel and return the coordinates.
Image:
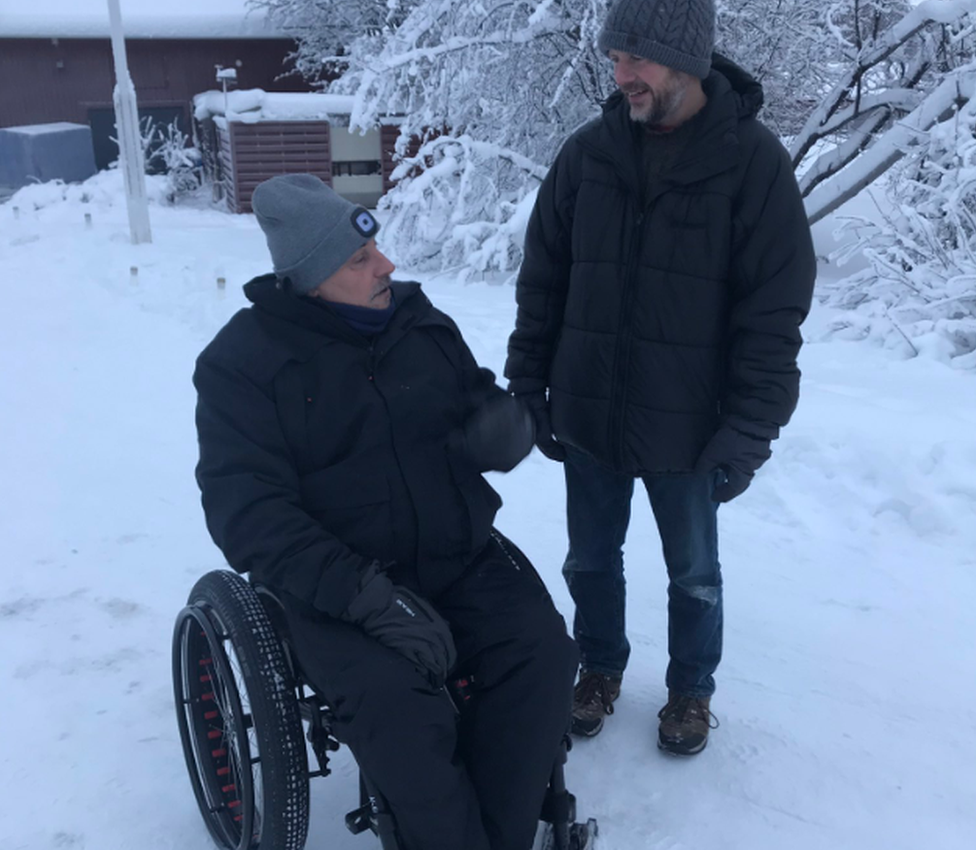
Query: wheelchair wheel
(239, 719)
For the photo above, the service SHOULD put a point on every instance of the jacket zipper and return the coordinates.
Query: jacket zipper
(625, 335)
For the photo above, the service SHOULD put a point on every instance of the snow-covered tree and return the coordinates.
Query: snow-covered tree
(920, 289)
(898, 83)
(503, 82)
(323, 28)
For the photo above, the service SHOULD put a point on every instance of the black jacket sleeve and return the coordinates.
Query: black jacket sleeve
(498, 430)
(774, 269)
(251, 494)
(543, 280)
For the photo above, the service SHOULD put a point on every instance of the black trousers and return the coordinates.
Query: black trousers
(468, 781)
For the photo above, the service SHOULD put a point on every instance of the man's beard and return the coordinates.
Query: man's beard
(664, 103)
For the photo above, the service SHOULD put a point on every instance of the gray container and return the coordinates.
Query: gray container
(42, 152)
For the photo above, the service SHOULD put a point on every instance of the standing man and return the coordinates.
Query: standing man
(343, 427)
(668, 267)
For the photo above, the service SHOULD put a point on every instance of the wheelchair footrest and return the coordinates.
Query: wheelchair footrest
(558, 808)
(358, 820)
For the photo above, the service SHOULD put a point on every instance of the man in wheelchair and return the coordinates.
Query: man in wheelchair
(343, 427)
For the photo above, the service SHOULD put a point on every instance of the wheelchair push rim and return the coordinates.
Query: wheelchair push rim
(212, 710)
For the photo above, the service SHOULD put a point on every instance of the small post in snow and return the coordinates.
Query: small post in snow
(88, 221)
(16, 212)
(131, 159)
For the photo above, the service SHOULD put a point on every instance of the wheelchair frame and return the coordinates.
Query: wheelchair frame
(241, 702)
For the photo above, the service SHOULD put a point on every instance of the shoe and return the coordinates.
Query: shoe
(593, 700)
(685, 723)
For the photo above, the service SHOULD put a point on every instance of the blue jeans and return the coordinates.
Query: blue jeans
(598, 512)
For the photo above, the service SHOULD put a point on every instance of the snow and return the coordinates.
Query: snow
(44, 129)
(253, 105)
(141, 19)
(846, 696)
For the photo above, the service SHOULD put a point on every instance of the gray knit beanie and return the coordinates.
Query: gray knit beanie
(679, 34)
(311, 231)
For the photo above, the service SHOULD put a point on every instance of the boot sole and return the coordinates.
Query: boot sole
(680, 750)
(583, 732)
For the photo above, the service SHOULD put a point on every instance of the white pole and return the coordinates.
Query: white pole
(131, 159)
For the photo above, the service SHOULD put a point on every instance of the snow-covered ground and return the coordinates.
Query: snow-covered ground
(847, 692)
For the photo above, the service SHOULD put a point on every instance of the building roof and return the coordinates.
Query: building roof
(140, 19)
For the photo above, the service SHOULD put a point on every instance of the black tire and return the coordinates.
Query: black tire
(239, 720)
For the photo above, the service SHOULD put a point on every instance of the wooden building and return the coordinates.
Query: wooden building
(56, 60)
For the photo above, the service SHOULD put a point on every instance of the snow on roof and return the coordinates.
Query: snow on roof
(253, 105)
(140, 19)
(42, 129)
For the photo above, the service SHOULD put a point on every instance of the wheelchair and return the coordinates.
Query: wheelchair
(245, 712)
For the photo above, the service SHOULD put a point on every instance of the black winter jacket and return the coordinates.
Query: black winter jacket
(653, 313)
(322, 450)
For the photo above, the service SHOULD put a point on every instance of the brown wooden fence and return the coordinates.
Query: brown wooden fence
(251, 153)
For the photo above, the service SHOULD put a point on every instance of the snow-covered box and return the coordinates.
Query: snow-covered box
(248, 136)
(45, 152)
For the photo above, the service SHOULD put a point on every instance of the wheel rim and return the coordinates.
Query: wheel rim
(212, 708)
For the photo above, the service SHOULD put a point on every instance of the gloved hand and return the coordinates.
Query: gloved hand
(737, 456)
(539, 407)
(499, 434)
(402, 621)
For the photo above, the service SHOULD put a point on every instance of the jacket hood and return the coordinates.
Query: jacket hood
(747, 90)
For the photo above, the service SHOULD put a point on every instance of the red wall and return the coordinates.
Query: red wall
(46, 80)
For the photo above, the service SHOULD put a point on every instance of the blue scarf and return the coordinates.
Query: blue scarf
(367, 320)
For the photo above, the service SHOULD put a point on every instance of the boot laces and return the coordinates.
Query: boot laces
(681, 706)
(594, 689)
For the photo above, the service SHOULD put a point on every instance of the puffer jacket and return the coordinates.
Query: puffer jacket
(656, 312)
(322, 450)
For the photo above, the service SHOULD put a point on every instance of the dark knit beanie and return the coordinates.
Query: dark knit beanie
(311, 231)
(679, 34)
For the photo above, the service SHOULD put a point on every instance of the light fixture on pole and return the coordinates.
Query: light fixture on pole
(131, 158)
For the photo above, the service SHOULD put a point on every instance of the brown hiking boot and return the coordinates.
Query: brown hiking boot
(592, 701)
(685, 723)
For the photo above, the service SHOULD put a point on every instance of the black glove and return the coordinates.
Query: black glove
(539, 407)
(499, 434)
(737, 456)
(402, 621)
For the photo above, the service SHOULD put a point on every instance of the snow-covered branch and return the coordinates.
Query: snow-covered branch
(873, 54)
(955, 91)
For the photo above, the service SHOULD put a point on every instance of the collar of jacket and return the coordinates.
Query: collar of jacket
(309, 326)
(733, 96)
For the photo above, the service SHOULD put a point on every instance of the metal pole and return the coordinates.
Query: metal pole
(131, 159)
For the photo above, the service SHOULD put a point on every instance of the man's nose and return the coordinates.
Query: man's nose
(623, 73)
(386, 267)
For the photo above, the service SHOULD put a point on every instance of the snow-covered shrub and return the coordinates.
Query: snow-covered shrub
(460, 203)
(919, 292)
(168, 149)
